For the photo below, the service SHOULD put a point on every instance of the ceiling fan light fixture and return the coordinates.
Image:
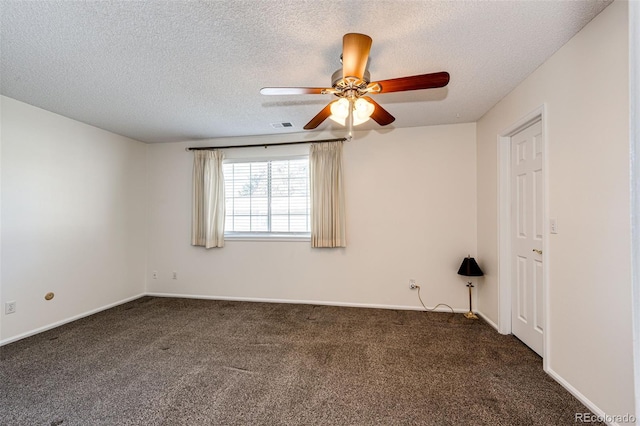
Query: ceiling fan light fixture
(363, 110)
(340, 121)
(340, 109)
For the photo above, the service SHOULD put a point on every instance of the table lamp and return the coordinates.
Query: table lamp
(470, 268)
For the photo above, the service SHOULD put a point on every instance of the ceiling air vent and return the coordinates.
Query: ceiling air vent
(281, 125)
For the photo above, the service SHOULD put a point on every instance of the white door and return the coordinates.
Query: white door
(527, 229)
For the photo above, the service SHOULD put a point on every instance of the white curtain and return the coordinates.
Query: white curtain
(207, 220)
(327, 195)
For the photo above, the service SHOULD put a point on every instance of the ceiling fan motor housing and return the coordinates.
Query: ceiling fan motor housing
(347, 86)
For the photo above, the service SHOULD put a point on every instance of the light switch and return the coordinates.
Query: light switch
(553, 225)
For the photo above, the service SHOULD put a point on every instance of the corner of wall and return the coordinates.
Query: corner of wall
(89, 247)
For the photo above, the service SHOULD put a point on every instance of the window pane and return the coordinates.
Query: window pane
(228, 185)
(241, 187)
(298, 205)
(299, 223)
(258, 183)
(240, 169)
(267, 196)
(298, 186)
(279, 223)
(228, 207)
(259, 223)
(241, 224)
(242, 206)
(240, 176)
(259, 206)
(259, 169)
(299, 168)
(259, 179)
(259, 186)
(280, 205)
(280, 187)
(280, 169)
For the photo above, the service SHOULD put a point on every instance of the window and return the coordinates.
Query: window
(267, 198)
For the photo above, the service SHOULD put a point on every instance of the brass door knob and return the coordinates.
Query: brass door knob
(538, 251)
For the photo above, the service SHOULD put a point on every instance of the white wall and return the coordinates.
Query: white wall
(634, 83)
(411, 211)
(73, 218)
(585, 89)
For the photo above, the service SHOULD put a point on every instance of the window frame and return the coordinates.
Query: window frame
(266, 235)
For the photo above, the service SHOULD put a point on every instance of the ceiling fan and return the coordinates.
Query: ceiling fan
(352, 85)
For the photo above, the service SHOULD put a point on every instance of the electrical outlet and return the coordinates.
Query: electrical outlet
(412, 284)
(10, 308)
(175, 275)
(154, 274)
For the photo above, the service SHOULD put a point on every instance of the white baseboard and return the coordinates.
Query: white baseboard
(555, 376)
(488, 321)
(304, 302)
(68, 320)
(583, 399)
(238, 299)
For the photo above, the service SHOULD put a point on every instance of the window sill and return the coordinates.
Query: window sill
(267, 237)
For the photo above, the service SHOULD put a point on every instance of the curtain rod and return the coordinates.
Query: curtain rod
(266, 145)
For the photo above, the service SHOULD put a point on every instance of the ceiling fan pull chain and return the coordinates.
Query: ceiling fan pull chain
(350, 118)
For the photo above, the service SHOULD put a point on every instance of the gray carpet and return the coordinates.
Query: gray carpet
(157, 361)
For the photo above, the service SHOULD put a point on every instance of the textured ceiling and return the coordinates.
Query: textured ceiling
(160, 71)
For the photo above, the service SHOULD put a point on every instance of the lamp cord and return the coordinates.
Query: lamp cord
(435, 307)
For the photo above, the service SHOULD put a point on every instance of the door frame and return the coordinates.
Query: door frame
(504, 225)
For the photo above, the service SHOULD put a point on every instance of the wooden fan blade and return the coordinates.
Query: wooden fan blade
(355, 54)
(320, 117)
(292, 90)
(415, 82)
(380, 115)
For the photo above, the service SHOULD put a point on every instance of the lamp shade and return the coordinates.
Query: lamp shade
(470, 268)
